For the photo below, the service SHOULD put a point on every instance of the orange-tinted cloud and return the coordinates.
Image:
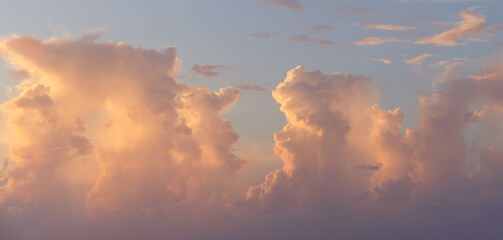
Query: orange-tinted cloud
(388, 27)
(385, 61)
(472, 23)
(419, 59)
(375, 41)
(149, 143)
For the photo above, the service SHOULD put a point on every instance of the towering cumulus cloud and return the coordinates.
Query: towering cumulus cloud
(104, 130)
(348, 167)
(105, 144)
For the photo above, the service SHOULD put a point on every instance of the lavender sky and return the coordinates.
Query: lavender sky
(265, 119)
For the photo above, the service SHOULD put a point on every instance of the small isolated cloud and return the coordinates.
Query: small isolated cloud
(448, 63)
(268, 34)
(375, 41)
(289, 4)
(388, 27)
(209, 70)
(322, 28)
(358, 9)
(306, 38)
(385, 61)
(252, 88)
(472, 23)
(419, 59)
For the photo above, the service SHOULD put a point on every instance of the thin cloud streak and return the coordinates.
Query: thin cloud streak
(315, 41)
(473, 23)
(289, 4)
(388, 27)
(209, 70)
(264, 35)
(375, 41)
(385, 61)
(419, 59)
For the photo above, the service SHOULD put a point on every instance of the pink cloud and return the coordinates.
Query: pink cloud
(472, 23)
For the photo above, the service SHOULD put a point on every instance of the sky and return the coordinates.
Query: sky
(248, 119)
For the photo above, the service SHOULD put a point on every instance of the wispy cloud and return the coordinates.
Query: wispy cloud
(209, 70)
(357, 9)
(375, 41)
(388, 27)
(448, 63)
(472, 23)
(322, 28)
(385, 61)
(289, 4)
(419, 59)
(252, 88)
(268, 34)
(315, 41)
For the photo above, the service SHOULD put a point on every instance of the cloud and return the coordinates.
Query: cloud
(385, 61)
(389, 27)
(264, 35)
(358, 9)
(322, 28)
(289, 4)
(105, 144)
(448, 63)
(419, 59)
(209, 70)
(306, 38)
(344, 155)
(472, 24)
(375, 41)
(105, 136)
(252, 88)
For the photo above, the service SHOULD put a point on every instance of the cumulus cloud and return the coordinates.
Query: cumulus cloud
(264, 35)
(344, 155)
(385, 61)
(419, 59)
(389, 27)
(289, 4)
(105, 144)
(306, 38)
(473, 23)
(209, 70)
(375, 41)
(104, 131)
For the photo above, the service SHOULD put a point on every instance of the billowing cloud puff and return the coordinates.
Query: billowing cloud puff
(105, 144)
(472, 23)
(346, 161)
(102, 129)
